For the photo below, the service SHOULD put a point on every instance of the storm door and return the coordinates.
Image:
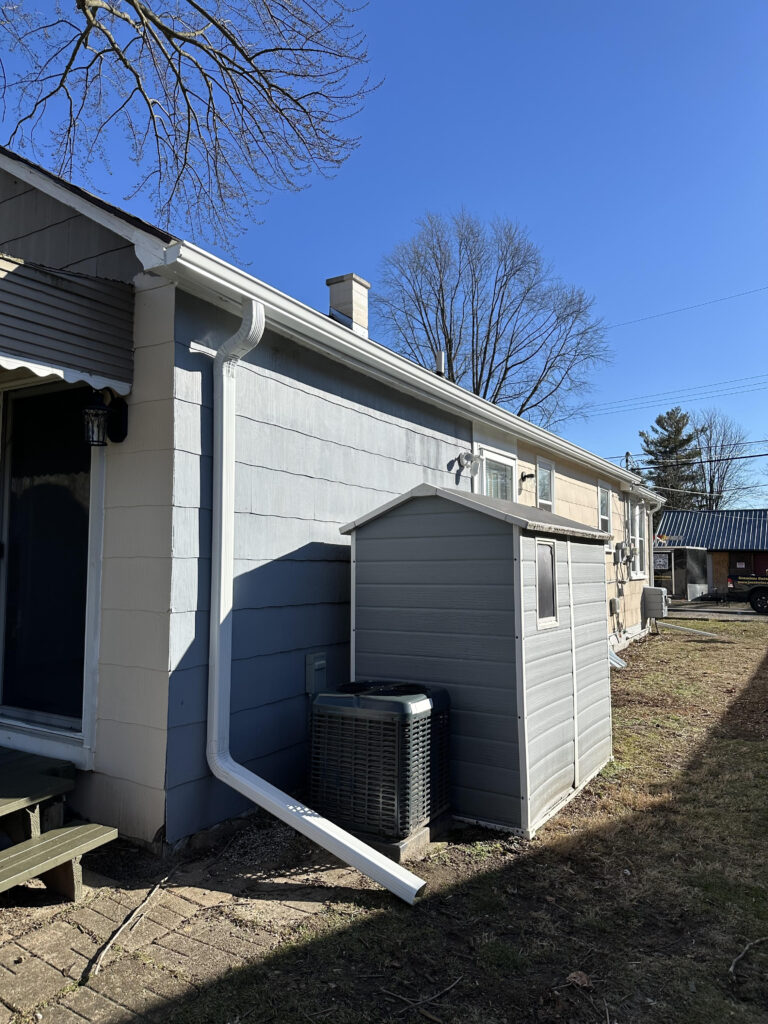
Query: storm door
(46, 475)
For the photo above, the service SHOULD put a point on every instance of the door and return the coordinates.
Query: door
(44, 576)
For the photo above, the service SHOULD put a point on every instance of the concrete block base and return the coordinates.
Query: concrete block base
(415, 845)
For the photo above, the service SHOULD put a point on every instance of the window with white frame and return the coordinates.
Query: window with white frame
(604, 510)
(499, 474)
(546, 584)
(636, 535)
(545, 485)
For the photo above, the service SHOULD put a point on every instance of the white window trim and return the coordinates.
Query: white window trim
(553, 620)
(49, 741)
(547, 464)
(603, 485)
(495, 455)
(635, 511)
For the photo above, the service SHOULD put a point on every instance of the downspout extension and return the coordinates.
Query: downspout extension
(335, 840)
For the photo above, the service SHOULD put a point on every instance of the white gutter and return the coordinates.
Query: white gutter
(226, 286)
(341, 844)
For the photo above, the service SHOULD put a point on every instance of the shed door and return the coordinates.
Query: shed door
(46, 505)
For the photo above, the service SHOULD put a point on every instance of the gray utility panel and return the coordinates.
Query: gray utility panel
(505, 606)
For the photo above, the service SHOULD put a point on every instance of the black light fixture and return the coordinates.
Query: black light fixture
(526, 476)
(105, 416)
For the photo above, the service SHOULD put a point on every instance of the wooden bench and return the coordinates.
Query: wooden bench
(22, 792)
(53, 857)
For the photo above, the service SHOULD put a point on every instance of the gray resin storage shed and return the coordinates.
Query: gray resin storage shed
(504, 605)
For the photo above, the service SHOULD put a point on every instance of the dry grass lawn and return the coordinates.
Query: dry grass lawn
(629, 906)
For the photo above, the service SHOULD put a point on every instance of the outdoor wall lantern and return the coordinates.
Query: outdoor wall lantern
(105, 417)
(526, 476)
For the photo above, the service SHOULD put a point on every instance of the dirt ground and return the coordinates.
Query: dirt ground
(638, 902)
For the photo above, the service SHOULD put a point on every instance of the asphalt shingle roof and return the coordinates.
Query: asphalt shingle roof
(739, 529)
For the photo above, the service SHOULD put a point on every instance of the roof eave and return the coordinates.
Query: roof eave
(226, 286)
(465, 498)
(149, 241)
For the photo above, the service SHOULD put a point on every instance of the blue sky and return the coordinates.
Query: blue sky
(629, 139)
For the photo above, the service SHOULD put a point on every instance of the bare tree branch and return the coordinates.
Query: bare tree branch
(724, 477)
(222, 102)
(511, 332)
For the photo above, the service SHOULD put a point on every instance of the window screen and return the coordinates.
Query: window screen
(545, 580)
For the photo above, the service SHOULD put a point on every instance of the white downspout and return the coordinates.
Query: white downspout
(341, 844)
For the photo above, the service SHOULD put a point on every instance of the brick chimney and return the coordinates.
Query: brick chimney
(349, 302)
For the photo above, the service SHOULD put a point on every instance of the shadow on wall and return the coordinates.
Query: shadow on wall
(651, 903)
(284, 610)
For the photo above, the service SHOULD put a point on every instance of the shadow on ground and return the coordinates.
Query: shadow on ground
(630, 906)
(634, 918)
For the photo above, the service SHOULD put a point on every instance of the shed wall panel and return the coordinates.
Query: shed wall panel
(434, 572)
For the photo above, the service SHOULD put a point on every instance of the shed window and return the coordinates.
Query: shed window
(546, 583)
(545, 485)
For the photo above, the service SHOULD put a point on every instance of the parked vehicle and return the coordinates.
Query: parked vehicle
(750, 588)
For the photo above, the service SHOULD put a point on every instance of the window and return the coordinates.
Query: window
(636, 535)
(604, 511)
(545, 485)
(546, 584)
(499, 474)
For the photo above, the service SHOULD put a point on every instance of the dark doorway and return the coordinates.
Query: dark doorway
(47, 483)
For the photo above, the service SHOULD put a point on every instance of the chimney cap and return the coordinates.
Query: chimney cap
(348, 277)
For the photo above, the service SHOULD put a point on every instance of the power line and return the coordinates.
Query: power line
(697, 462)
(691, 399)
(701, 447)
(678, 393)
(684, 309)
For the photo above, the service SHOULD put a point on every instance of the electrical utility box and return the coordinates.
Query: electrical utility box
(655, 603)
(504, 605)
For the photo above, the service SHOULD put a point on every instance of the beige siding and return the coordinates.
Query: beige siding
(127, 786)
(576, 497)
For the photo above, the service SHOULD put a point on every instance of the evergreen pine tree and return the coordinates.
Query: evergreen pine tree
(671, 459)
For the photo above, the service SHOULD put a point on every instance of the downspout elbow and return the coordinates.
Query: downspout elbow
(348, 848)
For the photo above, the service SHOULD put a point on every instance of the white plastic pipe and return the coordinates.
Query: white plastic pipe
(341, 844)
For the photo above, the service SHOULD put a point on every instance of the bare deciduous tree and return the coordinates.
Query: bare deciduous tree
(724, 476)
(511, 332)
(221, 101)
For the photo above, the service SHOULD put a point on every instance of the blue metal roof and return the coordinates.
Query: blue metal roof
(732, 529)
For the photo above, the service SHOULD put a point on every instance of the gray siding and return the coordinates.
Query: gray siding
(553, 734)
(593, 674)
(317, 446)
(548, 686)
(42, 230)
(435, 604)
(82, 324)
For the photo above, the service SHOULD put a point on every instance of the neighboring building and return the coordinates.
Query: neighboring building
(736, 541)
(104, 597)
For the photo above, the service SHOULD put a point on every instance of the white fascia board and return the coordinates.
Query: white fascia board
(149, 249)
(648, 495)
(225, 286)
